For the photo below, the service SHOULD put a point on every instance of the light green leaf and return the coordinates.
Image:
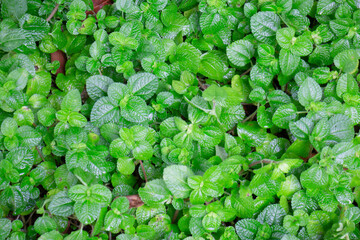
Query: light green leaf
(240, 52)
(264, 26)
(155, 192)
(310, 91)
(143, 85)
(175, 178)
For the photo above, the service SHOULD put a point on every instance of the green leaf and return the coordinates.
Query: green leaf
(263, 186)
(100, 194)
(211, 222)
(125, 165)
(301, 201)
(251, 133)
(12, 38)
(22, 159)
(264, 26)
(117, 92)
(186, 57)
(314, 177)
(347, 61)
(87, 211)
(346, 84)
(155, 192)
(78, 193)
(97, 86)
(302, 46)
(104, 112)
(284, 37)
(13, 9)
(36, 27)
(211, 23)
(135, 110)
(247, 228)
(240, 52)
(5, 227)
(319, 222)
(272, 214)
(44, 224)
(214, 65)
(175, 178)
(310, 91)
(284, 115)
(143, 85)
(9, 127)
(72, 101)
(61, 205)
(326, 7)
(289, 62)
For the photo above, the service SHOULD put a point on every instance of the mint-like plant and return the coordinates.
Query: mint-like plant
(159, 119)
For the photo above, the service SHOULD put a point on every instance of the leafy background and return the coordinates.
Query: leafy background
(169, 119)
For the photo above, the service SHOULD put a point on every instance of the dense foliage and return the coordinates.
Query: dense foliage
(179, 119)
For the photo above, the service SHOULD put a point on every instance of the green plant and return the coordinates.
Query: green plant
(187, 119)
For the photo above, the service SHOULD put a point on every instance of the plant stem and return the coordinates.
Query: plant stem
(53, 12)
(143, 169)
(251, 116)
(175, 216)
(266, 161)
(40, 154)
(246, 72)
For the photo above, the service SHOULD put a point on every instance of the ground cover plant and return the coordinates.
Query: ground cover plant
(179, 119)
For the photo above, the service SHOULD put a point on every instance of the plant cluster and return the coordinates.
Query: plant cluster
(179, 119)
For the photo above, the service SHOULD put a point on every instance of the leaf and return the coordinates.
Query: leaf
(61, 205)
(44, 224)
(135, 110)
(117, 92)
(326, 7)
(211, 23)
(310, 91)
(247, 228)
(143, 85)
(289, 62)
(12, 38)
(272, 214)
(175, 178)
(22, 159)
(104, 112)
(97, 86)
(87, 211)
(100, 194)
(319, 222)
(346, 84)
(155, 192)
(301, 200)
(302, 46)
(5, 227)
(35, 26)
(9, 127)
(13, 9)
(302, 128)
(187, 57)
(264, 26)
(347, 61)
(72, 101)
(263, 186)
(78, 193)
(213, 64)
(251, 133)
(284, 37)
(240, 52)
(211, 222)
(284, 115)
(314, 177)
